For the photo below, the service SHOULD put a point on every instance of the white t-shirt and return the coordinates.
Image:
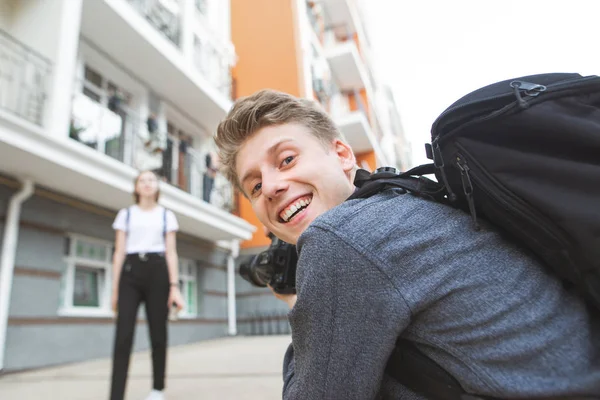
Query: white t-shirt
(145, 228)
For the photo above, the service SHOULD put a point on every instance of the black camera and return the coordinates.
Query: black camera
(275, 267)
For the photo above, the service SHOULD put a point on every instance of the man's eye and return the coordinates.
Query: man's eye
(287, 160)
(256, 188)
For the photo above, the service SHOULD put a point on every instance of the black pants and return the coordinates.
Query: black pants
(147, 281)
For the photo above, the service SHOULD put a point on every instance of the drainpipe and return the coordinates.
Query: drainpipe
(231, 313)
(7, 263)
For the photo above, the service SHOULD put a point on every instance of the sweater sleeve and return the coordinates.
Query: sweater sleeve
(345, 322)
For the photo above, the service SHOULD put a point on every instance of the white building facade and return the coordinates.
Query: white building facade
(92, 92)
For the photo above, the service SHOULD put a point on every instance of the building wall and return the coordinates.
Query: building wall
(265, 40)
(5, 15)
(263, 34)
(368, 158)
(258, 310)
(45, 16)
(38, 336)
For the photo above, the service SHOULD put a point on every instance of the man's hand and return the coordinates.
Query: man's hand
(289, 299)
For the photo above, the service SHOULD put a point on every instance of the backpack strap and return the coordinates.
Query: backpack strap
(422, 375)
(369, 184)
(127, 223)
(409, 366)
(165, 225)
(424, 169)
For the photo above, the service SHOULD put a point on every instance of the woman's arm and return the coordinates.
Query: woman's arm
(173, 265)
(172, 258)
(118, 259)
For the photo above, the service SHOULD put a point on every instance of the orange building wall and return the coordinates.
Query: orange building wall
(369, 157)
(263, 34)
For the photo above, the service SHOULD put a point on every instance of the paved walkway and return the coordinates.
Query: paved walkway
(240, 368)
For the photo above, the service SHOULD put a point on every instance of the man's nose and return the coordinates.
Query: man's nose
(274, 187)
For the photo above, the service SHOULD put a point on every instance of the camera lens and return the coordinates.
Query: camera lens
(257, 273)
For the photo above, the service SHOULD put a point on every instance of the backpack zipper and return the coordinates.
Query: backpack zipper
(467, 187)
(496, 191)
(530, 90)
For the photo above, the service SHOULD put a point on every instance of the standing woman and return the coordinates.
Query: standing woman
(145, 269)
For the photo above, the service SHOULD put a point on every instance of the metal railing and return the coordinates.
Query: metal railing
(268, 323)
(165, 20)
(214, 65)
(126, 137)
(24, 75)
(336, 101)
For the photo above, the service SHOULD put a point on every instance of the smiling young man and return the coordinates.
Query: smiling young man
(373, 270)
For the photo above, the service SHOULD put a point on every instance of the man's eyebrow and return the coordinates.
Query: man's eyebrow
(271, 150)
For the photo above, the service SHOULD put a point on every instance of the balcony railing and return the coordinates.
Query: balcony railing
(164, 15)
(214, 66)
(140, 143)
(24, 76)
(335, 101)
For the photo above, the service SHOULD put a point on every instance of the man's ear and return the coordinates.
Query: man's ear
(345, 154)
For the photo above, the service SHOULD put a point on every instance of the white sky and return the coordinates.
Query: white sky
(432, 52)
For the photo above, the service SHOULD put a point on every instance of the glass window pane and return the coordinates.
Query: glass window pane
(79, 249)
(86, 288)
(67, 247)
(93, 76)
(90, 251)
(101, 253)
(190, 298)
(92, 95)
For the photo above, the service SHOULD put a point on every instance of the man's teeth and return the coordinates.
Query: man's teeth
(293, 209)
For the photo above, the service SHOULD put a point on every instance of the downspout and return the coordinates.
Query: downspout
(231, 311)
(7, 263)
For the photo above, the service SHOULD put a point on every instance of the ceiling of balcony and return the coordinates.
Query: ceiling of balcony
(338, 13)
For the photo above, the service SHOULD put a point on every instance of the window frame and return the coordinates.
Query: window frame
(72, 261)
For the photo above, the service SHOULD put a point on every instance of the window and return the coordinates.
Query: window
(177, 161)
(92, 76)
(188, 284)
(101, 115)
(86, 284)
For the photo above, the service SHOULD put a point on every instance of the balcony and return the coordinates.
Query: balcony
(349, 113)
(23, 79)
(213, 63)
(344, 58)
(162, 14)
(142, 145)
(339, 13)
(144, 38)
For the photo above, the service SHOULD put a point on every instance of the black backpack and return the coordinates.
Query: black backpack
(525, 155)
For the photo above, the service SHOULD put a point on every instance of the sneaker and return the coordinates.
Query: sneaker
(156, 395)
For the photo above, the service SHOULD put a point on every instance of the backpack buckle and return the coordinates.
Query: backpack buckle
(429, 151)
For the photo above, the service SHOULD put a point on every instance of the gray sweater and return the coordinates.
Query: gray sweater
(485, 309)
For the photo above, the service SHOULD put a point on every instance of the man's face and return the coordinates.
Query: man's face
(291, 177)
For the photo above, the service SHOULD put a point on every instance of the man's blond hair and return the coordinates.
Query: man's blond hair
(263, 109)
